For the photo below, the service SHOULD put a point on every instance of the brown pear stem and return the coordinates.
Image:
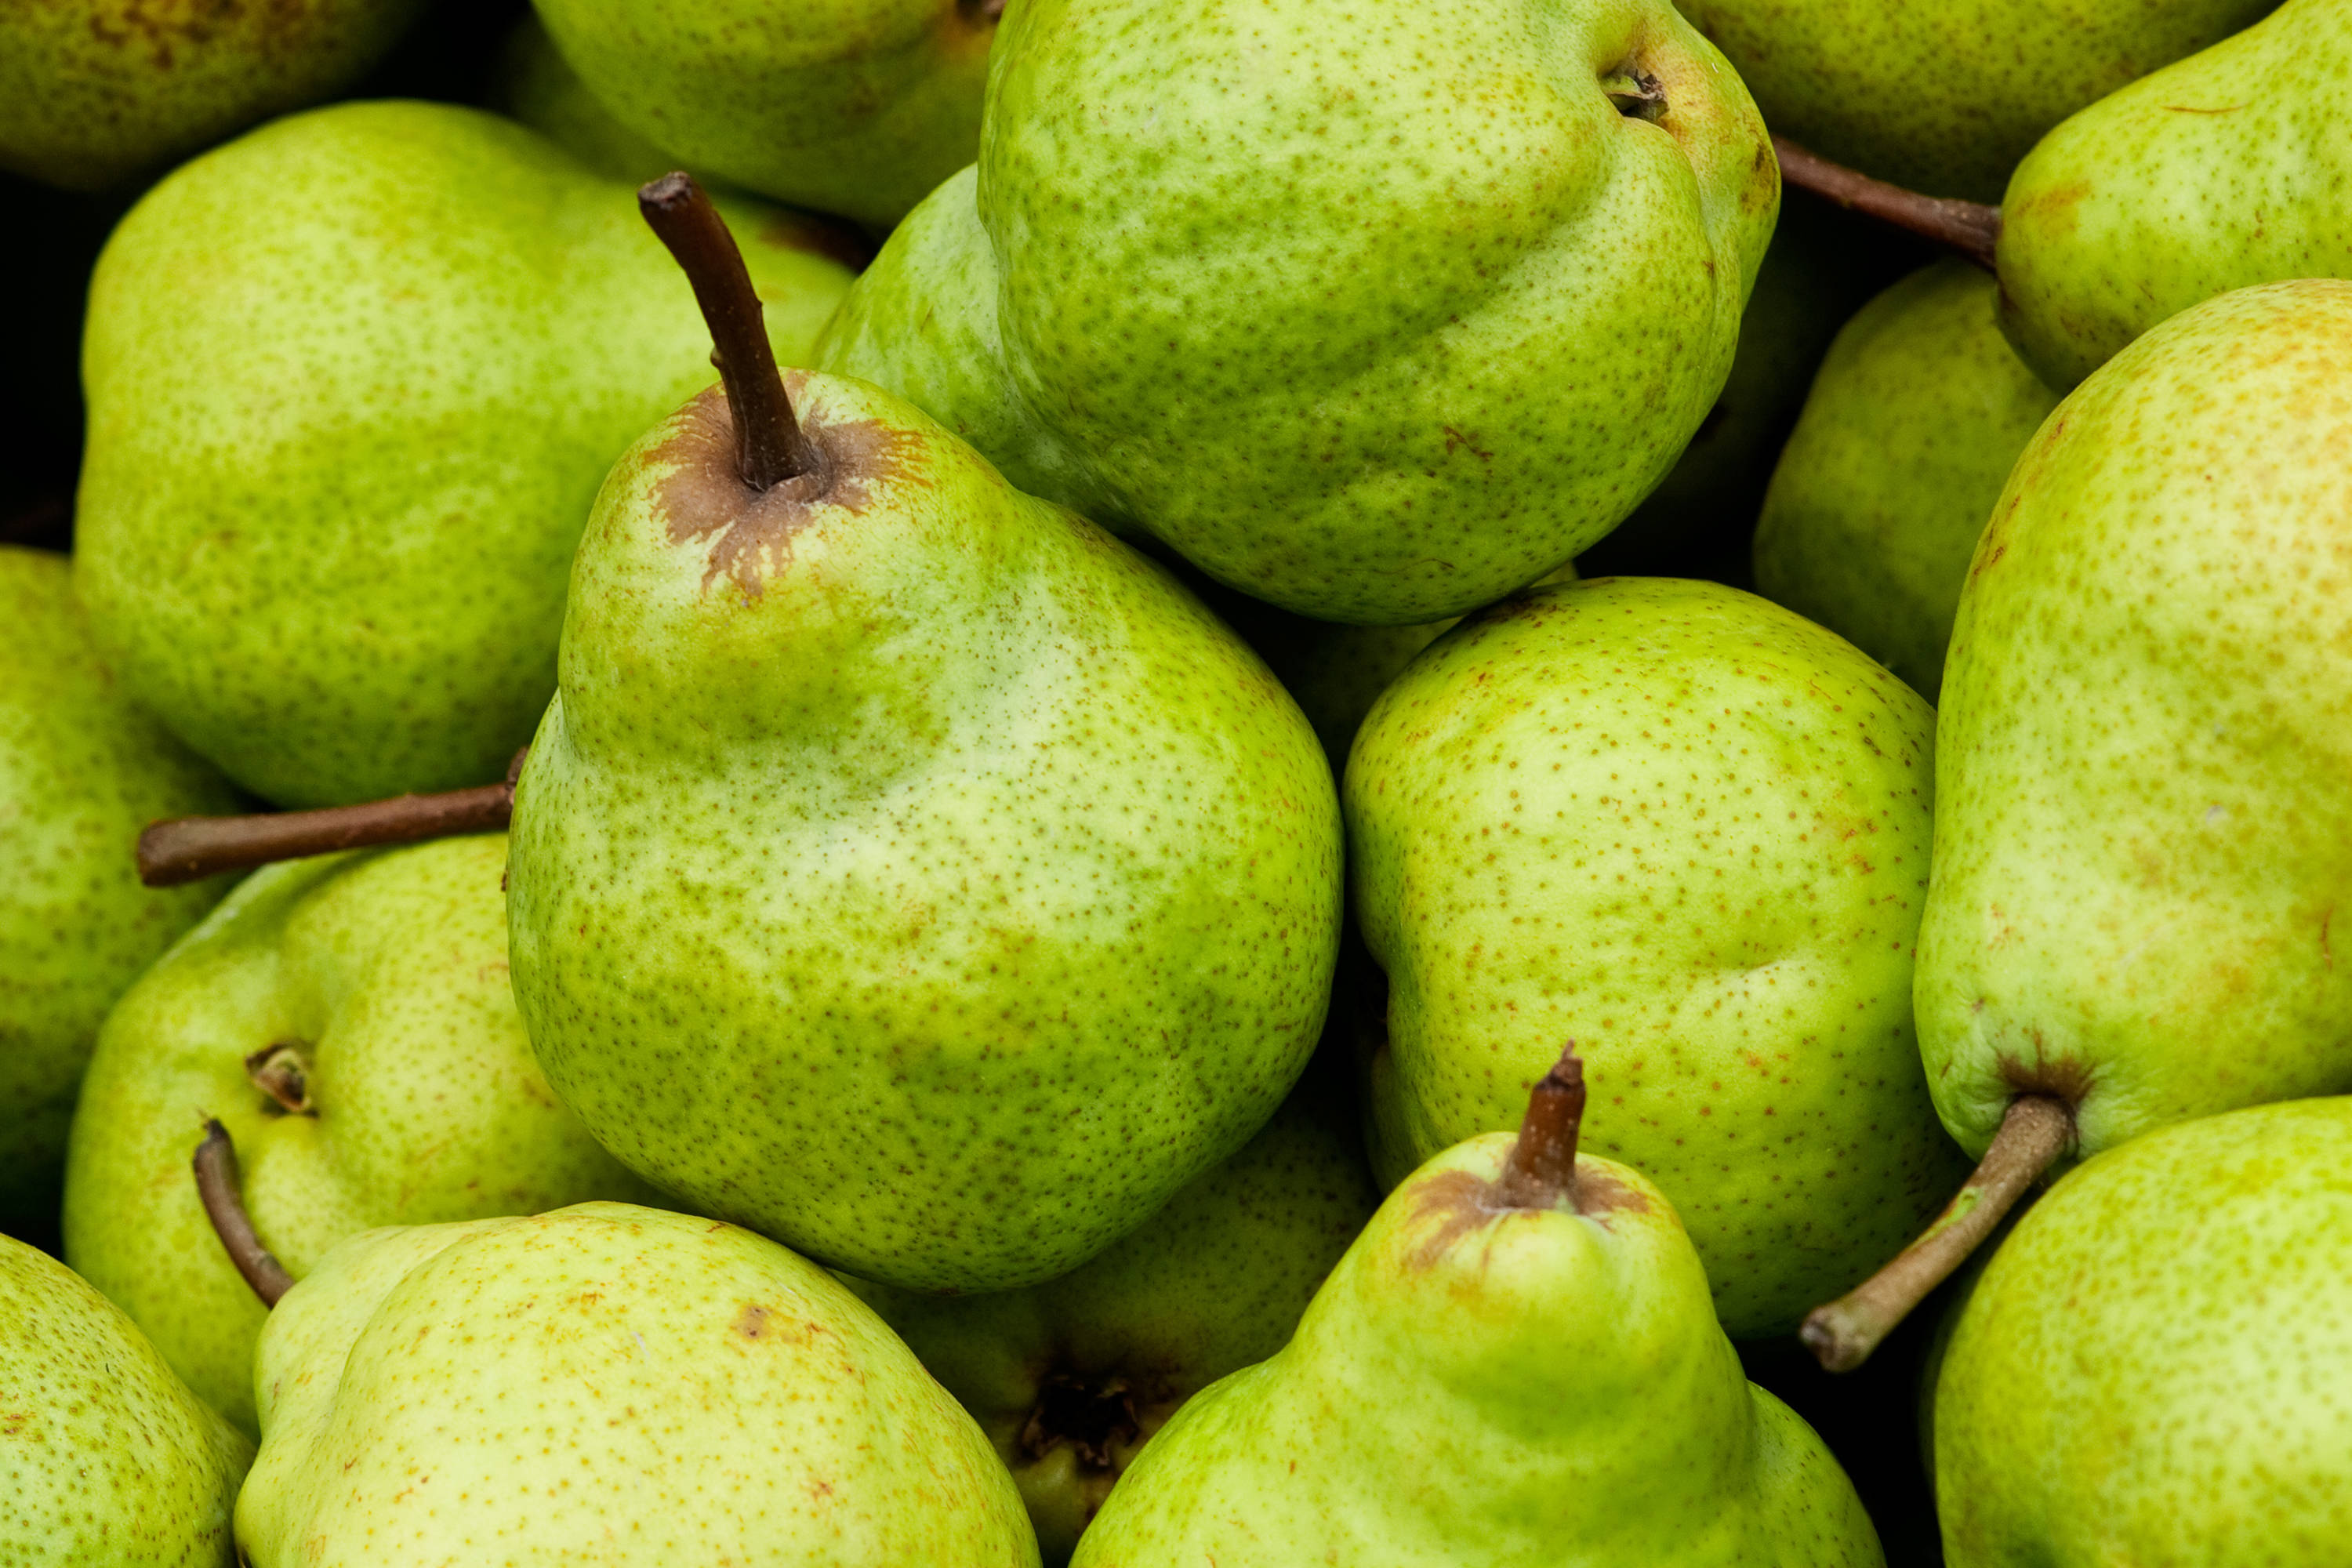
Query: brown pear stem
(769, 445)
(2034, 1131)
(217, 1185)
(1541, 1170)
(1971, 229)
(190, 848)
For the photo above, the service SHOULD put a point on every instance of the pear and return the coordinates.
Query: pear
(905, 867)
(1905, 440)
(1688, 830)
(537, 87)
(81, 769)
(606, 1384)
(1337, 304)
(2143, 836)
(96, 92)
(1070, 1379)
(108, 1461)
(1515, 1364)
(2157, 1367)
(356, 377)
(349, 1020)
(1948, 97)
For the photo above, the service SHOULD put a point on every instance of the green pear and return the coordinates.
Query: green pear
(1946, 97)
(353, 380)
(1515, 1363)
(905, 867)
(1912, 427)
(538, 88)
(106, 1459)
(2226, 169)
(1376, 315)
(82, 771)
(856, 106)
(605, 1385)
(2157, 1367)
(96, 92)
(1689, 831)
(349, 1020)
(1071, 1378)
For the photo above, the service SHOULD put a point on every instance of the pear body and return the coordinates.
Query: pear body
(856, 106)
(1905, 443)
(539, 87)
(82, 770)
(2223, 170)
(2142, 833)
(350, 1021)
(2157, 1367)
(357, 376)
(1688, 831)
(1578, 1403)
(890, 808)
(96, 92)
(106, 1459)
(1130, 305)
(605, 1385)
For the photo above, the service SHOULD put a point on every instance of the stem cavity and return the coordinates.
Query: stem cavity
(217, 1185)
(1970, 228)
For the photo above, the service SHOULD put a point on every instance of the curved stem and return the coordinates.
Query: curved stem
(216, 1167)
(1971, 229)
(769, 445)
(1541, 1170)
(2034, 1131)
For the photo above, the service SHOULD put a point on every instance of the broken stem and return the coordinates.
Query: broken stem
(1541, 1170)
(2034, 1131)
(217, 1185)
(769, 445)
(1971, 229)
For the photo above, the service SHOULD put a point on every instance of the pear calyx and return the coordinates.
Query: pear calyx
(1541, 1171)
(217, 1185)
(1971, 229)
(1095, 1418)
(280, 1073)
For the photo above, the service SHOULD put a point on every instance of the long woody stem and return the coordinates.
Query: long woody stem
(1971, 229)
(217, 1185)
(1541, 1170)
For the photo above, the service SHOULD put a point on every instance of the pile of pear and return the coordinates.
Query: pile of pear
(1037, 782)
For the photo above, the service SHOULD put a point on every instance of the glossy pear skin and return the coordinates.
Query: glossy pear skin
(910, 813)
(1946, 98)
(353, 382)
(856, 106)
(606, 1385)
(2227, 169)
(1578, 1403)
(108, 1461)
(95, 93)
(2143, 835)
(1909, 435)
(386, 974)
(81, 772)
(1336, 305)
(1687, 830)
(2157, 1367)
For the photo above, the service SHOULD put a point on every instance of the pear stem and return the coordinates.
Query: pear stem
(190, 848)
(1970, 228)
(2034, 1131)
(769, 445)
(1541, 1170)
(217, 1185)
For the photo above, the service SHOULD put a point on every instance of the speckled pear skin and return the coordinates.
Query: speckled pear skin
(81, 772)
(96, 92)
(2157, 1367)
(1946, 98)
(2143, 836)
(606, 1385)
(906, 868)
(1580, 1405)
(1912, 427)
(1212, 1283)
(106, 1459)
(1335, 304)
(539, 87)
(1687, 830)
(386, 971)
(2226, 169)
(353, 382)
